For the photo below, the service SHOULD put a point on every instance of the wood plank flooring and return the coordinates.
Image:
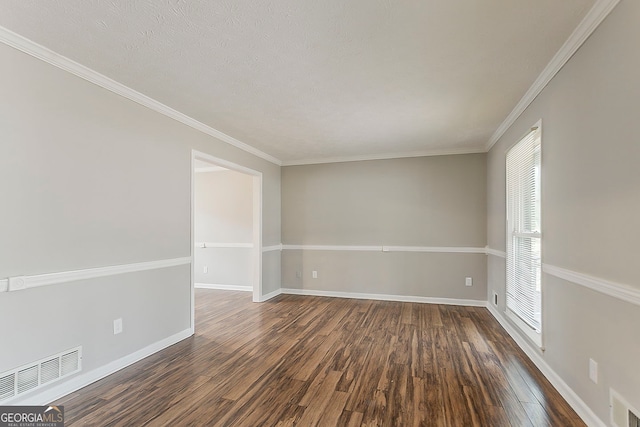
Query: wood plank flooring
(307, 361)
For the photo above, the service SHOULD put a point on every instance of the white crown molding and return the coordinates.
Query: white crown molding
(591, 21)
(495, 252)
(272, 248)
(594, 17)
(578, 405)
(383, 156)
(612, 289)
(211, 245)
(243, 288)
(79, 381)
(385, 297)
(92, 273)
(29, 47)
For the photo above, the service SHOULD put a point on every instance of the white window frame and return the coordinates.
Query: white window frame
(533, 333)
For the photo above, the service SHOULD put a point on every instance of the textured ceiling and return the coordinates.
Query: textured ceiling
(301, 79)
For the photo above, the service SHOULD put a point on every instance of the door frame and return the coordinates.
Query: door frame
(256, 252)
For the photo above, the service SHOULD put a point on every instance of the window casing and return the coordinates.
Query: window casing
(524, 237)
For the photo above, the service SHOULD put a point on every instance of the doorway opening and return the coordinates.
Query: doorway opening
(226, 227)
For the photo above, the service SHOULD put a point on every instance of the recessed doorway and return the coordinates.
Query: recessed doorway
(226, 227)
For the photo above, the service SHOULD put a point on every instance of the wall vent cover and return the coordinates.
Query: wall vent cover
(622, 413)
(38, 374)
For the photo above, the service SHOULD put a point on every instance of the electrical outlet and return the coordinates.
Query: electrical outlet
(314, 274)
(117, 326)
(593, 371)
(495, 298)
(468, 281)
(206, 269)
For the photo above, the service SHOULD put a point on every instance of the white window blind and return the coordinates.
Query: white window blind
(524, 268)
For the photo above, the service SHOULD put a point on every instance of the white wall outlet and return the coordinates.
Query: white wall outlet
(206, 269)
(468, 281)
(314, 274)
(117, 326)
(17, 283)
(593, 371)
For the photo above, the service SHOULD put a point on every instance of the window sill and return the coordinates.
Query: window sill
(527, 331)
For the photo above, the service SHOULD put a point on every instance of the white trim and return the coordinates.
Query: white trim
(332, 248)
(4, 285)
(495, 252)
(38, 51)
(210, 169)
(383, 156)
(243, 288)
(210, 245)
(270, 295)
(75, 383)
(578, 405)
(442, 249)
(92, 273)
(382, 248)
(591, 21)
(272, 248)
(385, 297)
(613, 289)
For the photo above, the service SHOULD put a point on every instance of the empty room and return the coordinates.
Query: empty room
(300, 213)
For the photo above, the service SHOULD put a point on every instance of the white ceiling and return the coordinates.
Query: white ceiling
(308, 79)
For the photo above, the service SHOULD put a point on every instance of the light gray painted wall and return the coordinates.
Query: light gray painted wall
(427, 201)
(590, 206)
(91, 179)
(223, 214)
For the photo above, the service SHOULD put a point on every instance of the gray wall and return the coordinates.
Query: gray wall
(224, 214)
(590, 206)
(426, 201)
(91, 179)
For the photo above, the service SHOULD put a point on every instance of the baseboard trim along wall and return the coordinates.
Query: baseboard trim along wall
(272, 248)
(385, 297)
(613, 289)
(244, 288)
(27, 282)
(82, 380)
(578, 405)
(270, 295)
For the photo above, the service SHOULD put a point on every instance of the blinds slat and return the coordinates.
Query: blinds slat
(523, 221)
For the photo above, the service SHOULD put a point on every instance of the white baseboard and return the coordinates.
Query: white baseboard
(384, 297)
(84, 379)
(270, 295)
(223, 287)
(572, 398)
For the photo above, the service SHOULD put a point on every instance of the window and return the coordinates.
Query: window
(524, 267)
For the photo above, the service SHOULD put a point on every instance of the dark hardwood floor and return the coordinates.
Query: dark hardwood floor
(305, 361)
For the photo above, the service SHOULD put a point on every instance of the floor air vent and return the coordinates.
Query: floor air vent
(35, 375)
